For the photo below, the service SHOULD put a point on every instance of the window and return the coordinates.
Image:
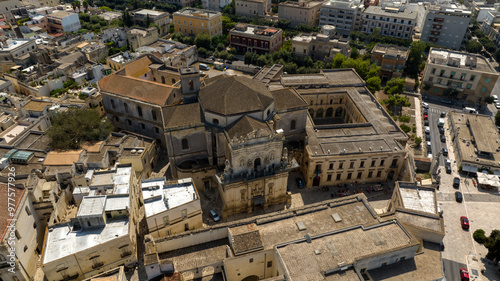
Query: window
(330, 167)
(379, 173)
(27, 211)
(165, 220)
(338, 176)
(373, 163)
(341, 166)
(113, 104)
(469, 86)
(349, 175)
(269, 264)
(370, 174)
(472, 77)
(157, 130)
(143, 126)
(394, 163)
(351, 166)
(215, 121)
(488, 80)
(382, 162)
(360, 174)
(25, 248)
(293, 124)
(185, 143)
(433, 71)
(139, 111)
(153, 113)
(163, 79)
(483, 90)
(184, 213)
(329, 178)
(362, 164)
(125, 105)
(250, 261)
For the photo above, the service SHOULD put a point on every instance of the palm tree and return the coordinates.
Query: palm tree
(86, 5)
(78, 5)
(73, 4)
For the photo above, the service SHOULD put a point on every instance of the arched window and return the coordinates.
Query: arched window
(215, 121)
(293, 124)
(319, 113)
(163, 80)
(173, 80)
(311, 112)
(191, 85)
(268, 112)
(329, 112)
(139, 111)
(185, 143)
(126, 107)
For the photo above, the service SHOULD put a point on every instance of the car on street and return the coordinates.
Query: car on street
(456, 182)
(448, 168)
(443, 114)
(443, 138)
(464, 221)
(426, 117)
(300, 182)
(497, 105)
(445, 101)
(426, 111)
(458, 197)
(495, 98)
(214, 215)
(429, 144)
(464, 274)
(425, 105)
(441, 130)
(426, 122)
(445, 152)
(203, 66)
(427, 129)
(427, 137)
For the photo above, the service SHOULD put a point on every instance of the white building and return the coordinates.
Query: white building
(345, 15)
(171, 207)
(60, 21)
(389, 20)
(16, 52)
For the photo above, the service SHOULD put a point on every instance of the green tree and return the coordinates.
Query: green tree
(418, 141)
(86, 5)
(73, 5)
(354, 53)
(127, 18)
(497, 118)
(373, 84)
(395, 86)
(78, 5)
(479, 236)
(415, 58)
(71, 128)
(489, 99)
(220, 47)
(473, 47)
(248, 58)
(148, 21)
(202, 52)
(450, 93)
(203, 40)
(338, 60)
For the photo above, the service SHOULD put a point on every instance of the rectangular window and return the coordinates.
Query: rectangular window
(338, 176)
(269, 264)
(349, 175)
(379, 174)
(433, 71)
(483, 89)
(166, 220)
(360, 174)
(472, 77)
(184, 213)
(370, 174)
(139, 111)
(329, 178)
(351, 165)
(382, 162)
(341, 165)
(113, 104)
(488, 80)
(362, 164)
(153, 113)
(373, 163)
(331, 166)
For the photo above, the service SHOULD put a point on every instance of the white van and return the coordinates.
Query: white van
(470, 110)
(495, 98)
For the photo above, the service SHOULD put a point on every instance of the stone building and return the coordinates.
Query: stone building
(345, 15)
(161, 19)
(191, 21)
(138, 36)
(390, 20)
(255, 39)
(301, 12)
(320, 46)
(390, 58)
(252, 8)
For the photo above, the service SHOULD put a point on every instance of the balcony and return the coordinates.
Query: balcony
(125, 254)
(97, 265)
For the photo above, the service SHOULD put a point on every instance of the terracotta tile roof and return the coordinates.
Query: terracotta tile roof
(4, 205)
(246, 125)
(36, 105)
(62, 158)
(287, 99)
(235, 95)
(138, 67)
(182, 115)
(138, 89)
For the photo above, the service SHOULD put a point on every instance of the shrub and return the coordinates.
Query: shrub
(405, 118)
(405, 128)
(418, 141)
(479, 236)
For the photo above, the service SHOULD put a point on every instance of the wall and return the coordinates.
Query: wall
(391, 257)
(238, 268)
(191, 239)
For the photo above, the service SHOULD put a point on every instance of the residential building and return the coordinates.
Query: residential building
(173, 53)
(101, 237)
(303, 12)
(42, 3)
(225, 251)
(110, 16)
(16, 52)
(215, 5)
(474, 138)
(138, 36)
(171, 207)
(94, 51)
(193, 21)
(161, 19)
(389, 20)
(345, 15)
(60, 21)
(491, 26)
(320, 46)
(390, 58)
(480, 9)
(252, 8)
(183, 3)
(446, 25)
(19, 250)
(7, 7)
(470, 76)
(255, 38)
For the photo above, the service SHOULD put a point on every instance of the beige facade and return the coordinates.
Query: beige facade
(252, 8)
(305, 12)
(16, 52)
(193, 21)
(138, 37)
(319, 46)
(390, 21)
(471, 77)
(161, 19)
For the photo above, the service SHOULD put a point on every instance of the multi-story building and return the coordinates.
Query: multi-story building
(42, 3)
(60, 21)
(161, 19)
(216, 5)
(446, 25)
(193, 21)
(255, 39)
(470, 76)
(171, 207)
(302, 12)
(252, 8)
(345, 15)
(319, 46)
(16, 52)
(392, 21)
(390, 58)
(6, 8)
(491, 27)
(138, 36)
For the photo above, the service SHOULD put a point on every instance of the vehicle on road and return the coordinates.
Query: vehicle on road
(214, 215)
(426, 111)
(300, 182)
(445, 152)
(445, 101)
(458, 197)
(441, 130)
(448, 168)
(497, 105)
(203, 66)
(427, 129)
(425, 105)
(443, 114)
(464, 274)
(429, 144)
(464, 221)
(495, 98)
(456, 182)
(426, 117)
(427, 137)
(440, 122)
(469, 110)
(426, 122)
(443, 138)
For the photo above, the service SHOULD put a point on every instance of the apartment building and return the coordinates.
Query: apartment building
(215, 5)
(491, 27)
(255, 39)
(193, 21)
(390, 58)
(446, 25)
(302, 12)
(345, 15)
(161, 19)
(470, 76)
(16, 52)
(389, 20)
(171, 207)
(252, 8)
(6, 8)
(60, 21)
(138, 36)
(320, 46)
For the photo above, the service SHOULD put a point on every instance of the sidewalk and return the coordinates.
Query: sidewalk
(418, 117)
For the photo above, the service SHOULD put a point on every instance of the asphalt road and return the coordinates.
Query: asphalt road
(452, 270)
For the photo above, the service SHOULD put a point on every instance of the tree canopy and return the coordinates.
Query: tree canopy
(474, 47)
(71, 128)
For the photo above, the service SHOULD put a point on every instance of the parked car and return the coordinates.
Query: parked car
(456, 182)
(443, 114)
(427, 129)
(300, 182)
(426, 111)
(445, 152)
(445, 101)
(214, 215)
(443, 138)
(425, 105)
(427, 137)
(429, 144)
(495, 98)
(204, 66)
(448, 168)
(426, 117)
(464, 221)
(459, 197)
(464, 274)
(497, 105)
(426, 122)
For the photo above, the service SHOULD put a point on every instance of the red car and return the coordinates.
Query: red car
(426, 117)
(465, 222)
(464, 274)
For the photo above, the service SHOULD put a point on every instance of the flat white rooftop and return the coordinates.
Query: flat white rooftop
(159, 196)
(62, 242)
(418, 199)
(13, 44)
(92, 206)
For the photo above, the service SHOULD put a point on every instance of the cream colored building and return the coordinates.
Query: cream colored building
(193, 21)
(302, 12)
(138, 37)
(161, 19)
(319, 46)
(471, 76)
(252, 8)
(171, 206)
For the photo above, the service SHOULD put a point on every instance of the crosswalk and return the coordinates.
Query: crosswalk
(436, 110)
